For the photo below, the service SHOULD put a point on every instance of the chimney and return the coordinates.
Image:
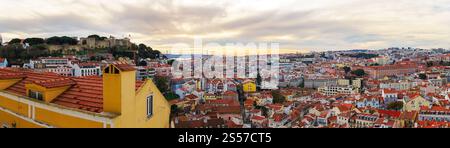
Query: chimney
(119, 87)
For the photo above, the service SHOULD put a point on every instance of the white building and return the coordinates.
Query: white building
(86, 69)
(144, 72)
(336, 89)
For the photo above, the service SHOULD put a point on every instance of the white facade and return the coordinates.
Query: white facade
(334, 90)
(86, 70)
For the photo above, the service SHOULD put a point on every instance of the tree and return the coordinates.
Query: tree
(145, 52)
(61, 41)
(162, 84)
(142, 63)
(359, 72)
(174, 109)
(170, 62)
(422, 76)
(34, 41)
(395, 106)
(277, 97)
(347, 69)
(97, 37)
(362, 55)
(171, 96)
(15, 41)
(302, 84)
(258, 79)
(430, 64)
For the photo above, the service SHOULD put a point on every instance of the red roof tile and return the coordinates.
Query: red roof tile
(4, 76)
(55, 83)
(85, 93)
(390, 113)
(125, 67)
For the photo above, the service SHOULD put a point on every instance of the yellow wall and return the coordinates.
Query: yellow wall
(48, 94)
(415, 104)
(128, 93)
(112, 93)
(41, 115)
(161, 108)
(119, 97)
(249, 87)
(134, 111)
(14, 106)
(8, 119)
(344, 82)
(64, 121)
(7, 83)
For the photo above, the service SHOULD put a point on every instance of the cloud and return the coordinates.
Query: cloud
(295, 24)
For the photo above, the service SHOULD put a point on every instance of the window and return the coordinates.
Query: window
(149, 106)
(35, 95)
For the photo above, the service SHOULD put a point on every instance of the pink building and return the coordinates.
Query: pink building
(377, 72)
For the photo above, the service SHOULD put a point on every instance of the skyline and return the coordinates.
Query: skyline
(296, 25)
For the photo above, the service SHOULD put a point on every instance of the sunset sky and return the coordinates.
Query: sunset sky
(295, 24)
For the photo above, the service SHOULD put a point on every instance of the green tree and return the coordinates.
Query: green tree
(15, 41)
(97, 37)
(171, 96)
(170, 62)
(162, 83)
(302, 84)
(347, 69)
(430, 64)
(34, 41)
(174, 109)
(258, 79)
(359, 72)
(145, 52)
(395, 106)
(61, 41)
(422, 76)
(362, 55)
(277, 97)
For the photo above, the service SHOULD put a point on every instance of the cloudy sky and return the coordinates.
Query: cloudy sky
(295, 24)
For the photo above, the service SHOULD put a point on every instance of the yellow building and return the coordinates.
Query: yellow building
(116, 100)
(249, 86)
(415, 102)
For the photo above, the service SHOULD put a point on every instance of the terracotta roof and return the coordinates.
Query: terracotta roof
(88, 64)
(409, 115)
(278, 117)
(125, 67)
(390, 113)
(228, 109)
(5, 76)
(191, 97)
(215, 123)
(85, 93)
(28, 77)
(55, 82)
(230, 93)
(433, 124)
(258, 118)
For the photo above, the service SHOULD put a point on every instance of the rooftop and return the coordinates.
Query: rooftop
(84, 93)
